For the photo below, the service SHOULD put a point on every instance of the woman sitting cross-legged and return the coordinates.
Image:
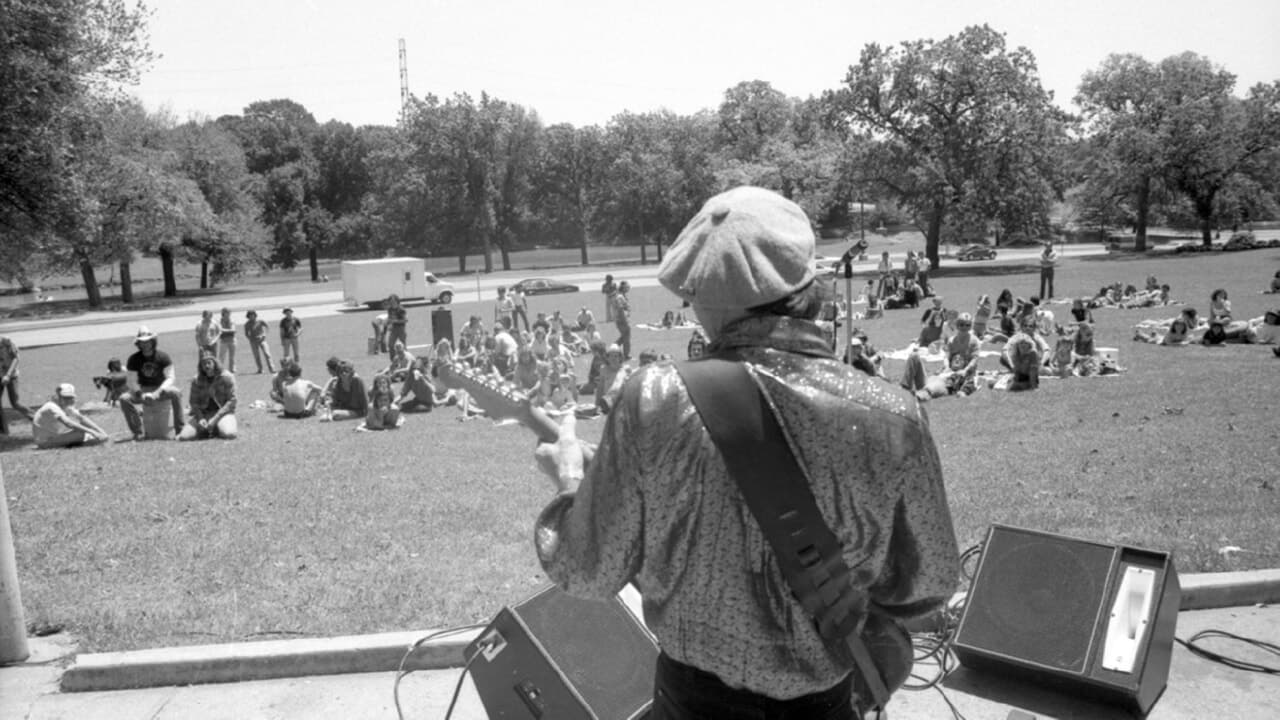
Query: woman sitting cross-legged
(211, 404)
(345, 396)
(384, 413)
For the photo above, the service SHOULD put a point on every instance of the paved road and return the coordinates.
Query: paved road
(324, 303)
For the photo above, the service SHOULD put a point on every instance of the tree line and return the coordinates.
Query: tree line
(955, 136)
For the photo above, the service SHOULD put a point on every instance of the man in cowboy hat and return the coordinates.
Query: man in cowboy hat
(155, 383)
(654, 504)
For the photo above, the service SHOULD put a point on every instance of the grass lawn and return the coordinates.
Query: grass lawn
(307, 528)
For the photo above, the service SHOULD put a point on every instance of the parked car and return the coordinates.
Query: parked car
(544, 286)
(976, 252)
(438, 291)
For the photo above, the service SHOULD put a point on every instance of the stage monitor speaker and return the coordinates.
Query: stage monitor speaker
(442, 326)
(1082, 616)
(559, 657)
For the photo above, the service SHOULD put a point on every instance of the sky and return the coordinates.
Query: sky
(584, 61)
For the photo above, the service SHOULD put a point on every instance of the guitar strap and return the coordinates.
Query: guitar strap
(746, 431)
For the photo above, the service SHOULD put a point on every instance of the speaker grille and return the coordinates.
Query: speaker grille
(1038, 599)
(606, 655)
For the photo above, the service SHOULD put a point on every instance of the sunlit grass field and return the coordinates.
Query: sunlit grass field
(308, 528)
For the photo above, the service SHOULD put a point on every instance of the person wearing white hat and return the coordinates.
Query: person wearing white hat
(58, 423)
(654, 504)
(155, 383)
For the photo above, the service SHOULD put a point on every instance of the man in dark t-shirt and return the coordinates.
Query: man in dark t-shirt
(155, 383)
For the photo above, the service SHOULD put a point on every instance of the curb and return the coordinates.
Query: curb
(237, 662)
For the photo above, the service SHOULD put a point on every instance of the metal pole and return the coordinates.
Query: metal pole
(13, 629)
(848, 305)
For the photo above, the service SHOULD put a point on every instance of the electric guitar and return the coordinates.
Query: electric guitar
(501, 399)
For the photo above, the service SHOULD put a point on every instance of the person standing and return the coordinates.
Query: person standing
(884, 270)
(155, 382)
(207, 334)
(608, 288)
(290, 331)
(622, 317)
(503, 309)
(519, 307)
(256, 331)
(922, 274)
(212, 404)
(227, 341)
(654, 504)
(1048, 259)
(58, 423)
(9, 382)
(397, 322)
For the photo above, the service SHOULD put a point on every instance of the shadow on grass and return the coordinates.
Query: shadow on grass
(16, 440)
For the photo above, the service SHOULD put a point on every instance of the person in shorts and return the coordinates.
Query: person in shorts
(58, 423)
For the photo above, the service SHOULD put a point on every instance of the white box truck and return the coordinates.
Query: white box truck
(369, 282)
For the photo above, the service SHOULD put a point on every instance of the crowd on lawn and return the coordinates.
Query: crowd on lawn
(538, 357)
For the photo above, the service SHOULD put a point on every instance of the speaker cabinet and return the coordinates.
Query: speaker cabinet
(1086, 617)
(442, 325)
(559, 657)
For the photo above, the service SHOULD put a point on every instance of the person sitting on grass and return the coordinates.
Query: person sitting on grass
(1079, 312)
(1147, 298)
(612, 375)
(593, 370)
(401, 361)
(1219, 306)
(857, 358)
(585, 318)
(1022, 357)
(1275, 284)
(1084, 355)
(982, 316)
(952, 380)
(58, 423)
(299, 397)
(212, 403)
(115, 384)
(527, 375)
(963, 346)
(345, 396)
(932, 323)
(383, 412)
(418, 393)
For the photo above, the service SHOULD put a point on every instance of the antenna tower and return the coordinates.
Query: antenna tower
(404, 84)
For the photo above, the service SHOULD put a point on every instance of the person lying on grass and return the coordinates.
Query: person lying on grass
(1264, 330)
(345, 396)
(383, 413)
(299, 397)
(211, 405)
(58, 423)
(952, 380)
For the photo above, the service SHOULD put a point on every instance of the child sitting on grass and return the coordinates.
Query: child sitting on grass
(383, 413)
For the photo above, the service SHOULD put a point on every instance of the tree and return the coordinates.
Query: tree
(277, 137)
(752, 114)
(569, 175)
(55, 55)
(234, 240)
(954, 126)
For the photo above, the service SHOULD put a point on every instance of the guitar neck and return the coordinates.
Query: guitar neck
(500, 399)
